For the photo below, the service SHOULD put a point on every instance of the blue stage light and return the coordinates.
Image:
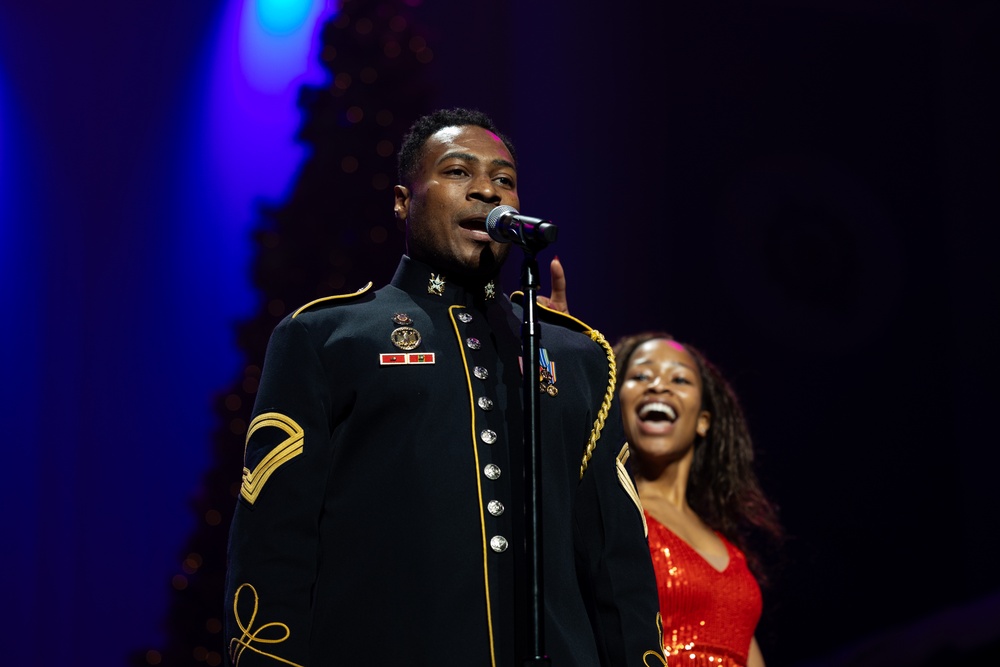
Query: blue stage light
(283, 17)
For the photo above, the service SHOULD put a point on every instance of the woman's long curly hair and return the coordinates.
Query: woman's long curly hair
(722, 487)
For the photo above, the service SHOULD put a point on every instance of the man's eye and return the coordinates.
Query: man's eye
(505, 180)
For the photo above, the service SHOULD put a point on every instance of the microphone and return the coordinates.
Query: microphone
(505, 225)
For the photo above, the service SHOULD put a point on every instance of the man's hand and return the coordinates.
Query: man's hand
(558, 299)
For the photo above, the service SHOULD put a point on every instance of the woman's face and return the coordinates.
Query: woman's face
(661, 400)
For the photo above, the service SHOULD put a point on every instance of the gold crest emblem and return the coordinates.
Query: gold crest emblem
(405, 338)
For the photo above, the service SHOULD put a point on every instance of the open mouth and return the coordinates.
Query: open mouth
(478, 228)
(475, 224)
(657, 412)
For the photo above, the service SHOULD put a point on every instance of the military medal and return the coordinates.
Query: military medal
(546, 373)
(405, 338)
(490, 289)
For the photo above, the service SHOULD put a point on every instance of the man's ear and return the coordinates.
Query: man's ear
(402, 205)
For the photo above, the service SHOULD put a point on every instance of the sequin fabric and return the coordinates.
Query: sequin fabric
(709, 616)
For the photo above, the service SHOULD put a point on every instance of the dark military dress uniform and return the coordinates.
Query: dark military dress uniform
(380, 519)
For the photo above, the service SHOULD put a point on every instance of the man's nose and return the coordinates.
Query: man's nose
(482, 188)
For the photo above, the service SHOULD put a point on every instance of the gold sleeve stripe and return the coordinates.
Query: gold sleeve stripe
(332, 298)
(253, 480)
(609, 395)
(629, 485)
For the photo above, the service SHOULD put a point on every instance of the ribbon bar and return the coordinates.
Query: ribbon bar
(406, 359)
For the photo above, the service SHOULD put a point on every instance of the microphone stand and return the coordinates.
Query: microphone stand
(530, 336)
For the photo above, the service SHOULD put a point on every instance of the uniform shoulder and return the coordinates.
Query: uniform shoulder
(325, 302)
(555, 317)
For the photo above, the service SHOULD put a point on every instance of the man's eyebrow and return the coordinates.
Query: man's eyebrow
(469, 157)
(500, 162)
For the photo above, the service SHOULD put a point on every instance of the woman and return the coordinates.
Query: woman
(692, 461)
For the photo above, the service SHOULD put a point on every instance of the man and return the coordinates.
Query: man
(380, 519)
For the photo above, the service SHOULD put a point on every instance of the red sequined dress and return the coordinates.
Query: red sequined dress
(709, 616)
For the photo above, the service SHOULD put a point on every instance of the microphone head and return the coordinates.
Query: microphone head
(493, 219)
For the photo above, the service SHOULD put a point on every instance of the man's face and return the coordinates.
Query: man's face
(464, 173)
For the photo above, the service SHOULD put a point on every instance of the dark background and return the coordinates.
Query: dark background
(804, 190)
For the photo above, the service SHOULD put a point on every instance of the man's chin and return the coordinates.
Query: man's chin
(484, 266)
(491, 260)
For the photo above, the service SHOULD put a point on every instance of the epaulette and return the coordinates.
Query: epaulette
(550, 316)
(334, 297)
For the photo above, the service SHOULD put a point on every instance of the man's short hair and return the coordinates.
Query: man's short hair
(412, 148)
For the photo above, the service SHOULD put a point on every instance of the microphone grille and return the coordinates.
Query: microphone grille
(494, 216)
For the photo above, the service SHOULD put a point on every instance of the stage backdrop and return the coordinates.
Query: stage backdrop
(802, 189)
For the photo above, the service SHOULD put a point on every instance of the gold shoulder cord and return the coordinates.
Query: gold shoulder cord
(609, 394)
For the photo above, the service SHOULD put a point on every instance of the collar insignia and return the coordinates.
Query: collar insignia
(435, 285)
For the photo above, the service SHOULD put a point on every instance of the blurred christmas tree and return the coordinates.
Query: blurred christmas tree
(335, 232)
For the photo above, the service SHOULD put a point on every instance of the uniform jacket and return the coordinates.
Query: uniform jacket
(380, 517)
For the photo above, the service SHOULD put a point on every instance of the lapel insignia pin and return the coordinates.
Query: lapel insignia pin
(491, 290)
(435, 285)
(402, 319)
